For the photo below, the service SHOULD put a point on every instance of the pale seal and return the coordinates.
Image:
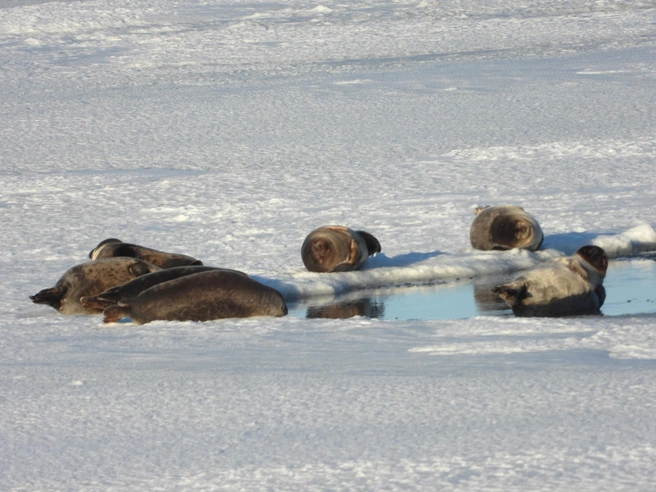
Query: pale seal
(136, 286)
(505, 227)
(112, 247)
(567, 286)
(89, 279)
(335, 248)
(204, 296)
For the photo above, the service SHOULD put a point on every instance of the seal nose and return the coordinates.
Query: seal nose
(284, 310)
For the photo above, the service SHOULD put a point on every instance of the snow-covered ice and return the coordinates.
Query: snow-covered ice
(228, 130)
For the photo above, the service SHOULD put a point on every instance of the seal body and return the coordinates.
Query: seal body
(204, 296)
(567, 286)
(110, 248)
(136, 286)
(89, 279)
(505, 227)
(336, 248)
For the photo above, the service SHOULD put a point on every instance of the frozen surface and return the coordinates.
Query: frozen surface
(229, 130)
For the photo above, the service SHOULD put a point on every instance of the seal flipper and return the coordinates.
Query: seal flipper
(102, 300)
(601, 294)
(95, 302)
(512, 294)
(373, 246)
(115, 313)
(140, 268)
(52, 297)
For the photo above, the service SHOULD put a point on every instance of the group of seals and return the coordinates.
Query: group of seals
(562, 287)
(145, 284)
(566, 286)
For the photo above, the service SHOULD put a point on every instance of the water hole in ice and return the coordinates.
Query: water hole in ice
(630, 289)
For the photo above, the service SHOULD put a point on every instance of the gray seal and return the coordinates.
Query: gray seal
(567, 286)
(89, 279)
(334, 248)
(112, 247)
(136, 286)
(204, 296)
(505, 227)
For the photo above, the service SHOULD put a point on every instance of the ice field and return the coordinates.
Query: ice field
(228, 130)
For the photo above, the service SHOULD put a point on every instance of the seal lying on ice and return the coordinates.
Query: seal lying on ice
(136, 286)
(89, 279)
(202, 296)
(505, 227)
(335, 248)
(112, 247)
(567, 286)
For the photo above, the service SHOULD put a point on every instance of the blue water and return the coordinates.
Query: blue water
(630, 289)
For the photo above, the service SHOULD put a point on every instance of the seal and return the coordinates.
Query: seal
(112, 247)
(505, 227)
(567, 286)
(204, 296)
(89, 279)
(136, 286)
(334, 248)
(347, 309)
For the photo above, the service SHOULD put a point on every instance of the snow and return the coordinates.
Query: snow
(228, 130)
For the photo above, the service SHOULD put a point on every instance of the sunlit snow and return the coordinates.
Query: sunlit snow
(228, 130)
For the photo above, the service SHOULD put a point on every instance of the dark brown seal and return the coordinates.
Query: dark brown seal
(335, 248)
(505, 227)
(204, 296)
(567, 286)
(112, 247)
(136, 286)
(89, 279)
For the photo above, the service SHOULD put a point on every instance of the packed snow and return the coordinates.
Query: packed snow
(228, 130)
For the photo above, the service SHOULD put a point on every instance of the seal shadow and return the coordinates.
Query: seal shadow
(382, 260)
(568, 242)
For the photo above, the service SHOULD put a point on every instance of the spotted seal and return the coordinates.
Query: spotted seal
(567, 286)
(89, 279)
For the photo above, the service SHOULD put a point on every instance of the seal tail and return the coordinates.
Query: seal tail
(373, 246)
(115, 313)
(52, 297)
